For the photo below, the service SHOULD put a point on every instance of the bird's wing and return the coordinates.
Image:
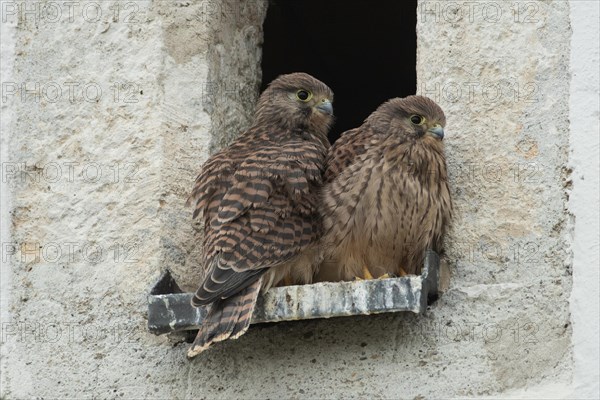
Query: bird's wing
(259, 212)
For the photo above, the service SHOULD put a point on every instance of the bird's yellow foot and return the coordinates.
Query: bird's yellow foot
(401, 271)
(367, 275)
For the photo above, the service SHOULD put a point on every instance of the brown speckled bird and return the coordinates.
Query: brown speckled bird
(259, 201)
(386, 198)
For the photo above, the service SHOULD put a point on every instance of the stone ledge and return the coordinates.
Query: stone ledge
(169, 310)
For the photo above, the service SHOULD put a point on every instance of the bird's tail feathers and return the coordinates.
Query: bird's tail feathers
(226, 319)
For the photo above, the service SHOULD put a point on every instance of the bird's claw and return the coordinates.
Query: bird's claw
(367, 275)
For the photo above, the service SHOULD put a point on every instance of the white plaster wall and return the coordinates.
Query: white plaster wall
(584, 116)
(74, 326)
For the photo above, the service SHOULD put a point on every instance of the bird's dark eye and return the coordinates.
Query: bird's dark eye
(303, 95)
(417, 119)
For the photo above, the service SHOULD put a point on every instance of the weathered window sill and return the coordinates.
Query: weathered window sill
(169, 310)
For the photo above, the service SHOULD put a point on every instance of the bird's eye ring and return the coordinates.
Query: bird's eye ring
(417, 119)
(304, 95)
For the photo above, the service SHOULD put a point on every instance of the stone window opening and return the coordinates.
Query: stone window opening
(367, 54)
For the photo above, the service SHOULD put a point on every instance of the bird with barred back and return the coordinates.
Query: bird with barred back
(259, 202)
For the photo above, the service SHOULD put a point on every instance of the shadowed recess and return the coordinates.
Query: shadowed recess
(366, 52)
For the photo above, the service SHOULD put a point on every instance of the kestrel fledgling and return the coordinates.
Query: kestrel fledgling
(259, 202)
(386, 197)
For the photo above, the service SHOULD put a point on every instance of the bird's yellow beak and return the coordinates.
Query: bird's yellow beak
(436, 131)
(325, 107)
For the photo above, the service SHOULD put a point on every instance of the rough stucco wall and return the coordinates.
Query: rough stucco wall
(502, 79)
(102, 156)
(84, 198)
(211, 81)
(77, 326)
(7, 55)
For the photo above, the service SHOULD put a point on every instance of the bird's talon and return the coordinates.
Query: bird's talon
(367, 273)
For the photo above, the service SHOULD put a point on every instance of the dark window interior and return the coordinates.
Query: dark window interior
(364, 50)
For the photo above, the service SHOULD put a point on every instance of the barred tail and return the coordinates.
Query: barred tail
(227, 319)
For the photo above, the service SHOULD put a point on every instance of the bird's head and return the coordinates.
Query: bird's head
(412, 117)
(297, 101)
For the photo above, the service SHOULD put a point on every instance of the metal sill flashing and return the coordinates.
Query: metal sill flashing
(169, 310)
